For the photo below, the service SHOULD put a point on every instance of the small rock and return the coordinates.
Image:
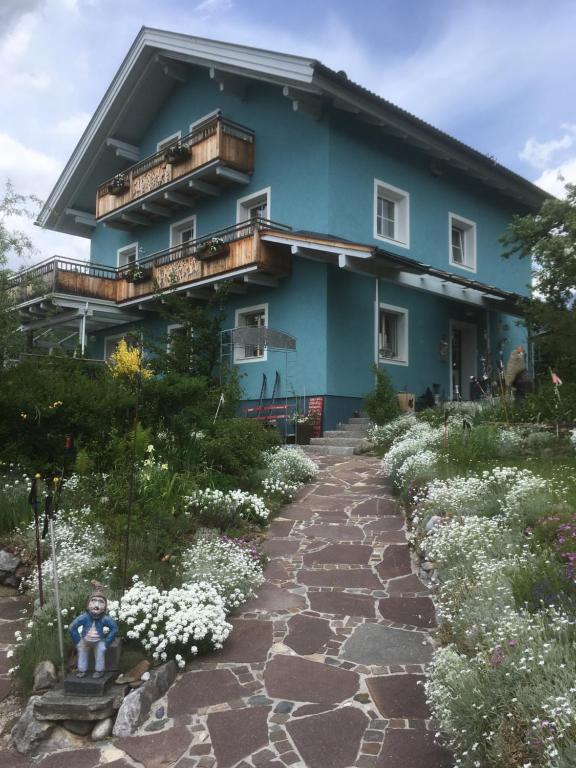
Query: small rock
(137, 705)
(45, 676)
(8, 561)
(61, 738)
(102, 730)
(433, 522)
(156, 725)
(134, 674)
(283, 707)
(11, 581)
(428, 566)
(28, 733)
(160, 712)
(79, 727)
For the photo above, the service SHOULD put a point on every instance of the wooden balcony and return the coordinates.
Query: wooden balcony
(225, 254)
(217, 152)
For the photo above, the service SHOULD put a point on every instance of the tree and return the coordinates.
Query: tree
(16, 244)
(548, 238)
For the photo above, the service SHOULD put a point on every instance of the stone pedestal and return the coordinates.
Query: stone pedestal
(58, 705)
(88, 686)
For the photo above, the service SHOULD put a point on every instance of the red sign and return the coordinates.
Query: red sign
(316, 406)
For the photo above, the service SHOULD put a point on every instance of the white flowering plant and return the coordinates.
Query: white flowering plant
(227, 508)
(289, 465)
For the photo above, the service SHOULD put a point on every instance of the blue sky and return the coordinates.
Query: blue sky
(496, 74)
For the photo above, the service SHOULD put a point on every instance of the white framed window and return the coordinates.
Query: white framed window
(393, 334)
(251, 317)
(255, 206)
(182, 232)
(462, 242)
(111, 343)
(168, 140)
(205, 118)
(391, 214)
(127, 255)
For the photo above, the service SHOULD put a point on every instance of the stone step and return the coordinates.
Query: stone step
(352, 427)
(359, 420)
(342, 441)
(345, 433)
(328, 450)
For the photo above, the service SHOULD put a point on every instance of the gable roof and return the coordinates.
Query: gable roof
(155, 54)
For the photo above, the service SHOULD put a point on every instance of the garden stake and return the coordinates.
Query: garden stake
(33, 501)
(220, 404)
(49, 506)
(132, 468)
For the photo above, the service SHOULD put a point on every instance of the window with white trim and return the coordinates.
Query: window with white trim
(183, 232)
(256, 206)
(251, 317)
(391, 214)
(111, 343)
(127, 255)
(462, 234)
(168, 140)
(393, 334)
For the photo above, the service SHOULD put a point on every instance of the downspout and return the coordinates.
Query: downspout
(376, 318)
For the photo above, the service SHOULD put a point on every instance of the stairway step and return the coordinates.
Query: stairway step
(346, 441)
(359, 420)
(328, 450)
(345, 433)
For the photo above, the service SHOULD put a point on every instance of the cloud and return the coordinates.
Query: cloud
(72, 126)
(208, 7)
(539, 154)
(554, 180)
(17, 58)
(31, 171)
(11, 11)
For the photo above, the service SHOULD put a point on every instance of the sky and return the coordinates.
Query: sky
(496, 74)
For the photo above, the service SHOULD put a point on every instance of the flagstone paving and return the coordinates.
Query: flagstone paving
(325, 666)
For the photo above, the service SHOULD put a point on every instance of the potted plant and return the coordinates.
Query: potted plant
(212, 249)
(304, 424)
(118, 185)
(176, 153)
(138, 274)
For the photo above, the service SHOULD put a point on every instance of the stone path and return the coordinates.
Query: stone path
(324, 667)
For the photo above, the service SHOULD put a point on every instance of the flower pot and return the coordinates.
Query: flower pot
(176, 155)
(303, 433)
(207, 254)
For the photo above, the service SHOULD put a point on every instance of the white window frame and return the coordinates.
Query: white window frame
(238, 351)
(168, 140)
(403, 337)
(117, 337)
(243, 204)
(169, 329)
(214, 113)
(468, 229)
(178, 227)
(120, 251)
(401, 200)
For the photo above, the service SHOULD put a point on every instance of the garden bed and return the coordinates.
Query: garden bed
(492, 511)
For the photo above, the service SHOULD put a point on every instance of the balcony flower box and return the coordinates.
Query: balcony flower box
(118, 185)
(212, 249)
(176, 154)
(138, 274)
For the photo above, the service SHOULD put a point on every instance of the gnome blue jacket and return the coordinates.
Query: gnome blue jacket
(85, 621)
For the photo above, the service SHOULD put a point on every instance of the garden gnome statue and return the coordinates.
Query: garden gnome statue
(93, 629)
(516, 374)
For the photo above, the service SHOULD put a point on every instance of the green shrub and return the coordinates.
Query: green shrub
(235, 446)
(382, 403)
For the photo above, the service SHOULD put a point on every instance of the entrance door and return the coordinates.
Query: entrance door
(463, 358)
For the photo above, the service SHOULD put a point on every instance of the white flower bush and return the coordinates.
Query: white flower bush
(419, 437)
(289, 465)
(273, 486)
(232, 567)
(173, 622)
(227, 506)
(384, 434)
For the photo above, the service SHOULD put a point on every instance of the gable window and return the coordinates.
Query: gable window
(391, 214)
(253, 207)
(182, 232)
(168, 140)
(462, 234)
(127, 255)
(251, 317)
(393, 334)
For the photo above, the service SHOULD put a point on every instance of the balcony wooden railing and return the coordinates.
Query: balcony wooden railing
(216, 142)
(221, 252)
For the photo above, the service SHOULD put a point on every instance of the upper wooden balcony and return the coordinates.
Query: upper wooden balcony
(214, 154)
(227, 254)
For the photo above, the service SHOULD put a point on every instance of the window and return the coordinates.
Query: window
(391, 214)
(462, 233)
(183, 232)
(251, 317)
(127, 255)
(256, 206)
(168, 140)
(111, 343)
(393, 334)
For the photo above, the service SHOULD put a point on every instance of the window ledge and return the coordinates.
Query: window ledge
(392, 360)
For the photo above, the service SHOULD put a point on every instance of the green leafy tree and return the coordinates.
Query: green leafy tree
(548, 238)
(13, 244)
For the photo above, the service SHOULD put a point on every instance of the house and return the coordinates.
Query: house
(349, 231)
